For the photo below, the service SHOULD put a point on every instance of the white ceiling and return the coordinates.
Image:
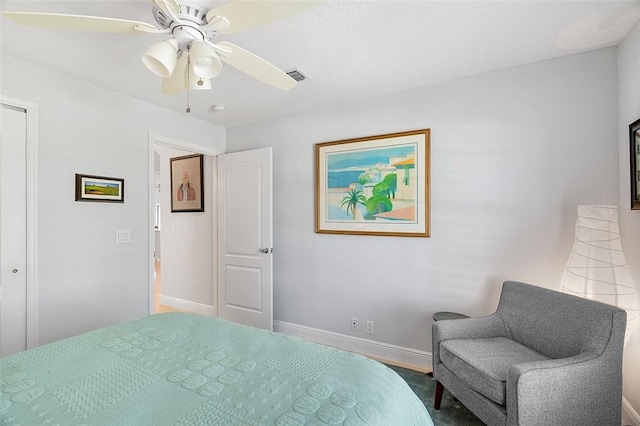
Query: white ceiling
(349, 49)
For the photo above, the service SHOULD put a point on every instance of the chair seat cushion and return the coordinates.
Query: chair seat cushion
(483, 363)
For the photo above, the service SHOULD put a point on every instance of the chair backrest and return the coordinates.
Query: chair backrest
(555, 324)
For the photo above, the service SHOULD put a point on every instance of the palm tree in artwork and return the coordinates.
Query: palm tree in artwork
(352, 199)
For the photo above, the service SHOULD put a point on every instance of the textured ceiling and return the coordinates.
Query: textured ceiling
(348, 49)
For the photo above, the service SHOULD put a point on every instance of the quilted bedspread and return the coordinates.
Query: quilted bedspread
(182, 369)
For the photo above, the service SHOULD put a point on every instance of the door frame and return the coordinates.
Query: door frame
(155, 139)
(31, 110)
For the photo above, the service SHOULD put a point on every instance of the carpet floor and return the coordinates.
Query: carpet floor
(451, 413)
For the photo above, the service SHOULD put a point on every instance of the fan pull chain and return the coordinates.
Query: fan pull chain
(188, 81)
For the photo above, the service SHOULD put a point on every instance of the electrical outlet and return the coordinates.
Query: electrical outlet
(369, 327)
(354, 324)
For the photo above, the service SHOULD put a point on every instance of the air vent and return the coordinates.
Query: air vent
(297, 75)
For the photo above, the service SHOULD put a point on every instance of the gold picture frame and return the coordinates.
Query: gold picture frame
(375, 185)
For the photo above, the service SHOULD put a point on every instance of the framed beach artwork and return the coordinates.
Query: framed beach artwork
(634, 141)
(99, 188)
(376, 185)
(187, 184)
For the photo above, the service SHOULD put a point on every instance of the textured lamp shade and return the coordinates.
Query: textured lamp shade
(597, 267)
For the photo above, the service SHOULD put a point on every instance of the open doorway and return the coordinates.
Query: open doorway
(218, 261)
(181, 244)
(158, 307)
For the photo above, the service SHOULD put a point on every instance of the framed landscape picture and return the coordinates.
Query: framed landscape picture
(634, 144)
(99, 188)
(187, 184)
(376, 185)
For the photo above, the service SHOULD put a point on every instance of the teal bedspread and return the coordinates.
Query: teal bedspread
(182, 369)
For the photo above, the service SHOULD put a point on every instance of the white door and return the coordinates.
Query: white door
(245, 238)
(13, 226)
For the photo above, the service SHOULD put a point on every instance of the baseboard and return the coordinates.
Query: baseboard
(629, 415)
(187, 305)
(398, 355)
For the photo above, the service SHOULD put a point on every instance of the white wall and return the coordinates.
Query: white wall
(629, 111)
(86, 280)
(513, 153)
(187, 243)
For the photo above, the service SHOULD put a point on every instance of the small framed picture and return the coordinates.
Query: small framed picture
(99, 188)
(187, 184)
(634, 145)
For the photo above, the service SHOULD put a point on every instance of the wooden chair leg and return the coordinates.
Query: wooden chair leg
(438, 396)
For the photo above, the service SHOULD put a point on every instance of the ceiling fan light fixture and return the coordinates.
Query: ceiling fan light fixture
(206, 63)
(161, 57)
(191, 26)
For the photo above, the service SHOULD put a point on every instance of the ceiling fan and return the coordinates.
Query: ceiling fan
(188, 59)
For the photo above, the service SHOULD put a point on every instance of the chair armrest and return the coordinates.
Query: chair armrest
(469, 328)
(575, 390)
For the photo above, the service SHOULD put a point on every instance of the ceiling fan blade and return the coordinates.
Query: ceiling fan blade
(245, 14)
(78, 22)
(255, 66)
(177, 82)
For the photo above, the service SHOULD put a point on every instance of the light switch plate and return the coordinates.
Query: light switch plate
(123, 236)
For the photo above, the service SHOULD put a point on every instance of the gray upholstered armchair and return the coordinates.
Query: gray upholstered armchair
(543, 358)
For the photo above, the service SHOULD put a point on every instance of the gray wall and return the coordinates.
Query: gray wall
(86, 280)
(629, 111)
(513, 153)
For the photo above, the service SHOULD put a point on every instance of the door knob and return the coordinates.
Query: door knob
(15, 271)
(264, 250)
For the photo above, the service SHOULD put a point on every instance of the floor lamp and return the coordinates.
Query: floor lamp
(597, 267)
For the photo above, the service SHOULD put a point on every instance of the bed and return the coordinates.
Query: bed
(183, 369)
